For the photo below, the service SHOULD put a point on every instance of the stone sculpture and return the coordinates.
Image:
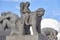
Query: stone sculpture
(24, 7)
(31, 18)
(50, 33)
(9, 21)
(3, 32)
(40, 13)
(25, 16)
(19, 27)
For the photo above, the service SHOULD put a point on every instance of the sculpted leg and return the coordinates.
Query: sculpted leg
(4, 24)
(26, 29)
(14, 30)
(12, 26)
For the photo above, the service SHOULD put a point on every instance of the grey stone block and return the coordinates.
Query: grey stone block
(2, 37)
(22, 37)
(42, 37)
(27, 37)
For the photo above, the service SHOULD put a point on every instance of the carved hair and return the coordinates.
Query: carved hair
(40, 9)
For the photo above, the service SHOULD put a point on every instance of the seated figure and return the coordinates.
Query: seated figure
(9, 21)
(50, 33)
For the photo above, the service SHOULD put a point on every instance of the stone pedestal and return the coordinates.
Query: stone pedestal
(27, 37)
(42, 37)
(2, 38)
(22, 37)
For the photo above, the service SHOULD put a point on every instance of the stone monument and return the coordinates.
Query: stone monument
(13, 27)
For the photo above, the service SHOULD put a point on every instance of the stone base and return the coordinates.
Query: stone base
(2, 38)
(42, 37)
(22, 37)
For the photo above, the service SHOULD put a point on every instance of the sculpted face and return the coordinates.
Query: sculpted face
(40, 12)
(4, 14)
(27, 4)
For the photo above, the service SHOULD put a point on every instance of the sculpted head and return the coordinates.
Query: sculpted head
(27, 4)
(22, 4)
(40, 12)
(24, 7)
(4, 14)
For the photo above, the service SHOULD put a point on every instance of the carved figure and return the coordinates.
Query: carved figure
(25, 15)
(9, 21)
(24, 7)
(50, 33)
(40, 13)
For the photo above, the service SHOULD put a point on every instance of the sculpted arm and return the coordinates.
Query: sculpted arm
(7, 16)
(1, 18)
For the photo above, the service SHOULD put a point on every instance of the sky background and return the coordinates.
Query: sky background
(52, 7)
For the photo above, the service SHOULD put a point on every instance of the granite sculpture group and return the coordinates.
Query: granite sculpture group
(11, 24)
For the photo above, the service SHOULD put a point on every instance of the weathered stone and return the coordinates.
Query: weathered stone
(25, 16)
(24, 7)
(2, 38)
(2, 31)
(42, 37)
(19, 28)
(50, 33)
(39, 14)
(33, 22)
(22, 37)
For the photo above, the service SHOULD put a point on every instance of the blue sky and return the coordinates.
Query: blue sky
(52, 7)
